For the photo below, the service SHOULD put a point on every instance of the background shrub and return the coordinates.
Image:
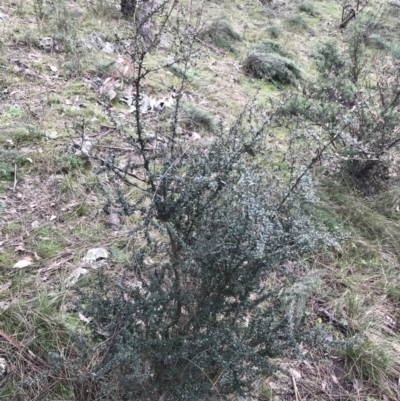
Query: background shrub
(296, 20)
(194, 116)
(271, 66)
(308, 7)
(275, 31)
(222, 34)
(361, 123)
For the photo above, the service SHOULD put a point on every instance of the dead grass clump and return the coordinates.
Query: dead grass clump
(222, 35)
(368, 359)
(269, 61)
(368, 220)
(35, 340)
(58, 19)
(376, 41)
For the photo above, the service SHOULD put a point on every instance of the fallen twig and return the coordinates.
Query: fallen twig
(213, 48)
(296, 390)
(112, 147)
(342, 327)
(15, 177)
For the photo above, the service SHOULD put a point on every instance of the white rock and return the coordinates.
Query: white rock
(108, 48)
(3, 369)
(95, 254)
(22, 263)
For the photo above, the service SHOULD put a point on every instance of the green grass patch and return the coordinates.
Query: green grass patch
(368, 359)
(7, 258)
(47, 242)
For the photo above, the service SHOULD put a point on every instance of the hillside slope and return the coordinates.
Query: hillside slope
(64, 88)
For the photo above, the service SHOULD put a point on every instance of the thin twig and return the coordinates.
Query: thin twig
(176, 161)
(213, 48)
(296, 390)
(15, 177)
(214, 384)
(342, 327)
(310, 165)
(119, 169)
(112, 147)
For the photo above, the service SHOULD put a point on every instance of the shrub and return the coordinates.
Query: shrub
(192, 316)
(275, 31)
(222, 35)
(309, 8)
(144, 12)
(272, 67)
(296, 20)
(360, 119)
(195, 116)
(328, 60)
(128, 7)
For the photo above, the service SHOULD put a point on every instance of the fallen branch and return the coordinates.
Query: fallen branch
(342, 327)
(113, 147)
(213, 48)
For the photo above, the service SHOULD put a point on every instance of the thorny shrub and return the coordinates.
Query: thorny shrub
(355, 112)
(207, 303)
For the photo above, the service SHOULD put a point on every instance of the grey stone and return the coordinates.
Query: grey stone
(96, 254)
(108, 48)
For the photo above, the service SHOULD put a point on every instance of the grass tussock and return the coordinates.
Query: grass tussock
(222, 35)
(297, 21)
(361, 291)
(197, 117)
(34, 335)
(267, 61)
(275, 31)
(308, 7)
